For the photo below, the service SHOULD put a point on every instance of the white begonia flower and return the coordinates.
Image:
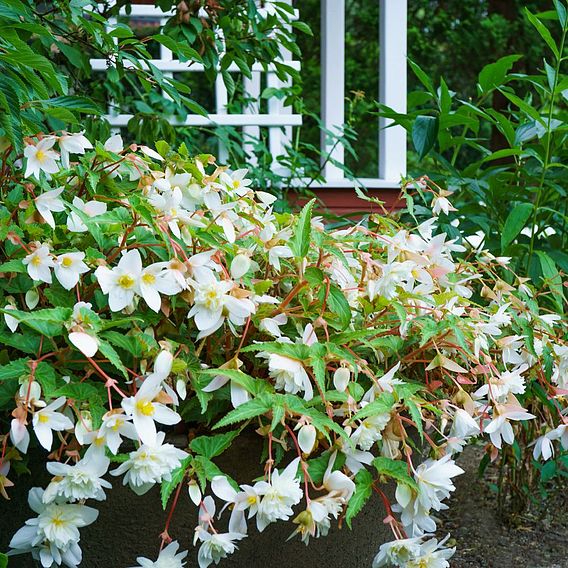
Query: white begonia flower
(11, 321)
(236, 181)
(239, 395)
(432, 555)
(434, 479)
(79, 481)
(442, 204)
(307, 438)
(508, 382)
(215, 546)
(290, 375)
(85, 342)
(32, 298)
(155, 281)
(41, 157)
(544, 447)
(272, 325)
(341, 378)
(46, 420)
(19, 434)
(114, 144)
(122, 282)
(278, 496)
(115, 426)
(150, 464)
(214, 303)
(145, 411)
(72, 144)
(277, 252)
(239, 501)
(69, 267)
(499, 427)
(39, 263)
(464, 426)
(194, 492)
(90, 209)
(370, 429)
(81, 334)
(560, 371)
(169, 557)
(240, 265)
(414, 553)
(49, 202)
(151, 153)
(53, 535)
(397, 552)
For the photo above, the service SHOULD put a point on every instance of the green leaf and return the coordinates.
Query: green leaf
(14, 370)
(553, 279)
(494, 74)
(212, 446)
(381, 405)
(74, 103)
(250, 409)
(48, 322)
(337, 305)
(544, 32)
(561, 11)
(113, 357)
(303, 27)
(398, 470)
(206, 470)
(416, 415)
(422, 77)
(363, 491)
(424, 134)
(515, 223)
(177, 476)
(3, 560)
(300, 243)
(250, 384)
(318, 352)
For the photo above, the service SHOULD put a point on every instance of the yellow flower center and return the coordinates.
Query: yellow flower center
(117, 425)
(148, 278)
(236, 183)
(251, 500)
(67, 261)
(41, 156)
(36, 260)
(211, 298)
(43, 418)
(145, 407)
(57, 521)
(126, 281)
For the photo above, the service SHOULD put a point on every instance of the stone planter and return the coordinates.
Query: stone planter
(129, 526)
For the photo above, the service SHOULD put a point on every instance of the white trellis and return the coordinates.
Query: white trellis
(280, 120)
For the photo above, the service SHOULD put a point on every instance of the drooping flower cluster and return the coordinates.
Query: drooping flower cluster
(143, 286)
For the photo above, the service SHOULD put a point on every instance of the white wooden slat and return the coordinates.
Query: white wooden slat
(251, 133)
(276, 137)
(392, 87)
(176, 66)
(264, 120)
(221, 102)
(149, 11)
(332, 81)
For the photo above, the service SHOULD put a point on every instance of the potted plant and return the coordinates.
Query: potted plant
(156, 309)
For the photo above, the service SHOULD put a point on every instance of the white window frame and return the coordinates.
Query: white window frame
(280, 119)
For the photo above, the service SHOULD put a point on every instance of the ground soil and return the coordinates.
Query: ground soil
(484, 539)
(128, 526)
